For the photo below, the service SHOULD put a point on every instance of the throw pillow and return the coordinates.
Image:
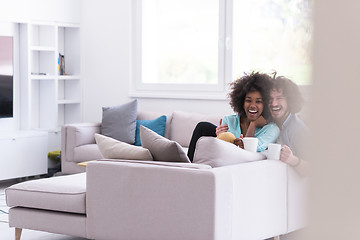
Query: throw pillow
(157, 125)
(114, 149)
(218, 153)
(119, 122)
(161, 148)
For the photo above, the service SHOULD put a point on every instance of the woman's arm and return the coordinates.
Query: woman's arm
(268, 134)
(258, 123)
(221, 128)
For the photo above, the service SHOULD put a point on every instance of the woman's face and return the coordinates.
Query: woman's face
(253, 105)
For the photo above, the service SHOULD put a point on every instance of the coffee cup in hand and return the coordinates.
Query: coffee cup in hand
(274, 151)
(250, 143)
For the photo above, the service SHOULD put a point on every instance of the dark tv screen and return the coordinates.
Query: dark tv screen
(6, 77)
(6, 96)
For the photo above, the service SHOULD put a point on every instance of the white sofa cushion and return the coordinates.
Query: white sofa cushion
(161, 148)
(86, 153)
(112, 148)
(63, 193)
(218, 153)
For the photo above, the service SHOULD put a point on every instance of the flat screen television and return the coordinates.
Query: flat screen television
(6, 77)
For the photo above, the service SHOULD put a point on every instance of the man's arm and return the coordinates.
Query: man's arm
(297, 163)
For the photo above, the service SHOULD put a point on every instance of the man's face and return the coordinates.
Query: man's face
(278, 105)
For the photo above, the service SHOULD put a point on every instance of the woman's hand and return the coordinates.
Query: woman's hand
(238, 142)
(221, 128)
(260, 122)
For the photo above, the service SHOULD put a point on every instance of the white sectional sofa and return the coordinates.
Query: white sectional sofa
(137, 200)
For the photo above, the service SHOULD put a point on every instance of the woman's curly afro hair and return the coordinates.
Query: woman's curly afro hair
(252, 82)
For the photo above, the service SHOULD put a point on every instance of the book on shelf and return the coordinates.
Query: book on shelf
(61, 64)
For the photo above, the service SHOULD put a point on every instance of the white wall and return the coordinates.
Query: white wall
(106, 58)
(40, 10)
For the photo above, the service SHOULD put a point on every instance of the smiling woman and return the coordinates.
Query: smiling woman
(249, 99)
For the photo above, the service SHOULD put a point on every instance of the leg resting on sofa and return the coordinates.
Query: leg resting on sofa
(18, 233)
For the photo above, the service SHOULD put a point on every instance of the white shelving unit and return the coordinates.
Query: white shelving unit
(41, 29)
(51, 99)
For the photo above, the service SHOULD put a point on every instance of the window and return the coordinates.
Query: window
(273, 35)
(187, 48)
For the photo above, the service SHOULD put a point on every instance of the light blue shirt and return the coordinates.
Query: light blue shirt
(267, 134)
(293, 134)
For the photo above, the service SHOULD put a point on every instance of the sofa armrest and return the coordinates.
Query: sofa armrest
(259, 199)
(160, 202)
(245, 201)
(73, 136)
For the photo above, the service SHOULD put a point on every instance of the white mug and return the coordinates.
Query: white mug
(274, 151)
(250, 143)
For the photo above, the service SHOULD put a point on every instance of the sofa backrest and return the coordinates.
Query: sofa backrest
(184, 123)
(180, 125)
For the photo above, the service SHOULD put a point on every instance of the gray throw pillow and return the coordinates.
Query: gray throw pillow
(119, 122)
(161, 148)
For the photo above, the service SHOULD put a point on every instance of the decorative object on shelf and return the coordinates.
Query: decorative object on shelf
(61, 64)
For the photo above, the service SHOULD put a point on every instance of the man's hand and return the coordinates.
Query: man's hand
(287, 156)
(221, 128)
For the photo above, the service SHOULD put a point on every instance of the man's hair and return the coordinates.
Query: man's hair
(291, 91)
(252, 82)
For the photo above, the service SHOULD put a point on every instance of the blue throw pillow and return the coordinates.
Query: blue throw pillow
(157, 125)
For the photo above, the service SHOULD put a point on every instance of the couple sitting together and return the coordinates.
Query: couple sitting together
(265, 108)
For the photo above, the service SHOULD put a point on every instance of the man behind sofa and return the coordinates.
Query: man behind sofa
(285, 102)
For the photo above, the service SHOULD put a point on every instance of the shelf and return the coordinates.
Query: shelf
(53, 77)
(64, 101)
(69, 77)
(42, 77)
(42, 48)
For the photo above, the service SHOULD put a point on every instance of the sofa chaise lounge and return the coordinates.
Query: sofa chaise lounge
(137, 200)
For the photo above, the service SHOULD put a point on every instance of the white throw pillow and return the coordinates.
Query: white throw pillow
(114, 149)
(161, 148)
(218, 153)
